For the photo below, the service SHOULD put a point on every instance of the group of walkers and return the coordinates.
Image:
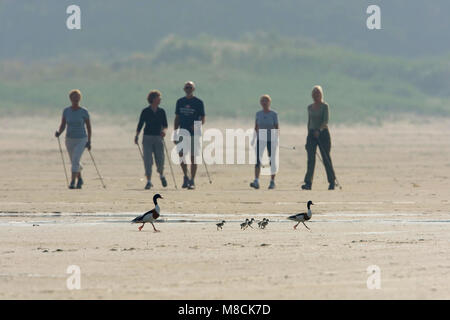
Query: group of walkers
(190, 109)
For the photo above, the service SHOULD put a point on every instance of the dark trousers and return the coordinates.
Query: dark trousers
(324, 143)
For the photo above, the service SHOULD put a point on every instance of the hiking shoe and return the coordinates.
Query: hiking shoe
(185, 182)
(331, 186)
(80, 183)
(72, 184)
(272, 184)
(306, 186)
(191, 185)
(148, 185)
(164, 182)
(254, 184)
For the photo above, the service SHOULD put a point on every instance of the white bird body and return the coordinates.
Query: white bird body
(149, 216)
(301, 217)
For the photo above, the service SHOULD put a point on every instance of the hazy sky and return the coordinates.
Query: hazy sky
(35, 29)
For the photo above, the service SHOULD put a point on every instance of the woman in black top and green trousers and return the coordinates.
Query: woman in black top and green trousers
(318, 135)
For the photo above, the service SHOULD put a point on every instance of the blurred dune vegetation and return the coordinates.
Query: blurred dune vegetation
(124, 50)
(231, 75)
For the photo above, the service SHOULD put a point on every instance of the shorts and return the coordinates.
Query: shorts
(195, 148)
(258, 155)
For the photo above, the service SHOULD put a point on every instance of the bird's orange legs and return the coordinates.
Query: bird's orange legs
(154, 227)
(140, 228)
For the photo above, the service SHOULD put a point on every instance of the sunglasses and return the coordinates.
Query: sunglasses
(188, 87)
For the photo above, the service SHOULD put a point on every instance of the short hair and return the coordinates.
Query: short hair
(189, 82)
(152, 95)
(73, 92)
(265, 96)
(317, 87)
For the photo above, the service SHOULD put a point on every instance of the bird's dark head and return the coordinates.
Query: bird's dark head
(223, 221)
(156, 197)
(310, 203)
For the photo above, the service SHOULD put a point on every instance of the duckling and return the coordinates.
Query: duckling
(244, 225)
(264, 223)
(261, 222)
(250, 222)
(220, 225)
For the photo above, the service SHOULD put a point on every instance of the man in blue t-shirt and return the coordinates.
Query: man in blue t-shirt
(188, 110)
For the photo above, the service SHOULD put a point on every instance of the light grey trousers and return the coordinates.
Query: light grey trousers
(153, 145)
(75, 148)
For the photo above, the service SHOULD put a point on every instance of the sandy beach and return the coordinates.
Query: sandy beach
(393, 212)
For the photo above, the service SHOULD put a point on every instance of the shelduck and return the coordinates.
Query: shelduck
(151, 215)
(302, 217)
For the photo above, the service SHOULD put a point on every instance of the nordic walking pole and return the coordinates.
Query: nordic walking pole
(206, 168)
(170, 163)
(329, 162)
(142, 155)
(337, 182)
(140, 151)
(64, 164)
(289, 148)
(101, 179)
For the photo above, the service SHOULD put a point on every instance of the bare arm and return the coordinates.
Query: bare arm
(89, 131)
(176, 122)
(277, 124)
(176, 125)
(255, 134)
(62, 127)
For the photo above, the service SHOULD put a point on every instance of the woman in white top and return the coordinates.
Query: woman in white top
(266, 120)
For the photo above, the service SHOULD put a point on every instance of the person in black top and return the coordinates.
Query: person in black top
(188, 110)
(155, 121)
